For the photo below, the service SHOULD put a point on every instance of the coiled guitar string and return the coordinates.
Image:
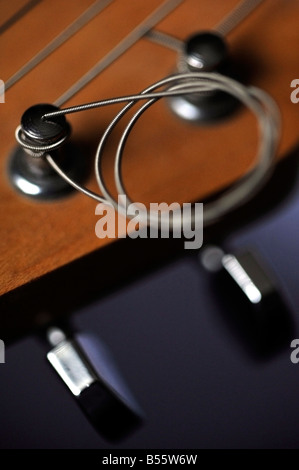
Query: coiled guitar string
(259, 103)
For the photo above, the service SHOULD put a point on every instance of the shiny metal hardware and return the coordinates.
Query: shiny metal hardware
(89, 373)
(70, 364)
(249, 276)
(206, 51)
(250, 298)
(244, 270)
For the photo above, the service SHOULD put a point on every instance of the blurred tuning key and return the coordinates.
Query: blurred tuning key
(251, 299)
(86, 368)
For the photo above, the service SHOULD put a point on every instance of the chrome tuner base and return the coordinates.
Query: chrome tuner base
(203, 109)
(206, 51)
(33, 177)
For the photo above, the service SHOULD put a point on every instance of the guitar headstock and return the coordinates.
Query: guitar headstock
(166, 158)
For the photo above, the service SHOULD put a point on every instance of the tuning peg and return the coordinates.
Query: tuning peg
(28, 171)
(86, 368)
(206, 51)
(252, 299)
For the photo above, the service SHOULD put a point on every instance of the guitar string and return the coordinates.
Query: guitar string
(256, 100)
(18, 15)
(89, 14)
(232, 20)
(236, 16)
(259, 102)
(165, 39)
(132, 38)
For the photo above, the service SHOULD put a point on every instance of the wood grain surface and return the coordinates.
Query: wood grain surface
(165, 159)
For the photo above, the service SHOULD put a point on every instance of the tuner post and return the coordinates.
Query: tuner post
(28, 170)
(36, 129)
(204, 52)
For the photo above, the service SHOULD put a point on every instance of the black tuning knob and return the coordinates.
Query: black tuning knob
(44, 131)
(28, 170)
(204, 52)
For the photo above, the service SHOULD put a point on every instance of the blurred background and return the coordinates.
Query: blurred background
(195, 378)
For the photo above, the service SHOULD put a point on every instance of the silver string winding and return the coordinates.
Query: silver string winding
(260, 104)
(37, 151)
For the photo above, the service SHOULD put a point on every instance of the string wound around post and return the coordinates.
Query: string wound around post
(28, 169)
(257, 101)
